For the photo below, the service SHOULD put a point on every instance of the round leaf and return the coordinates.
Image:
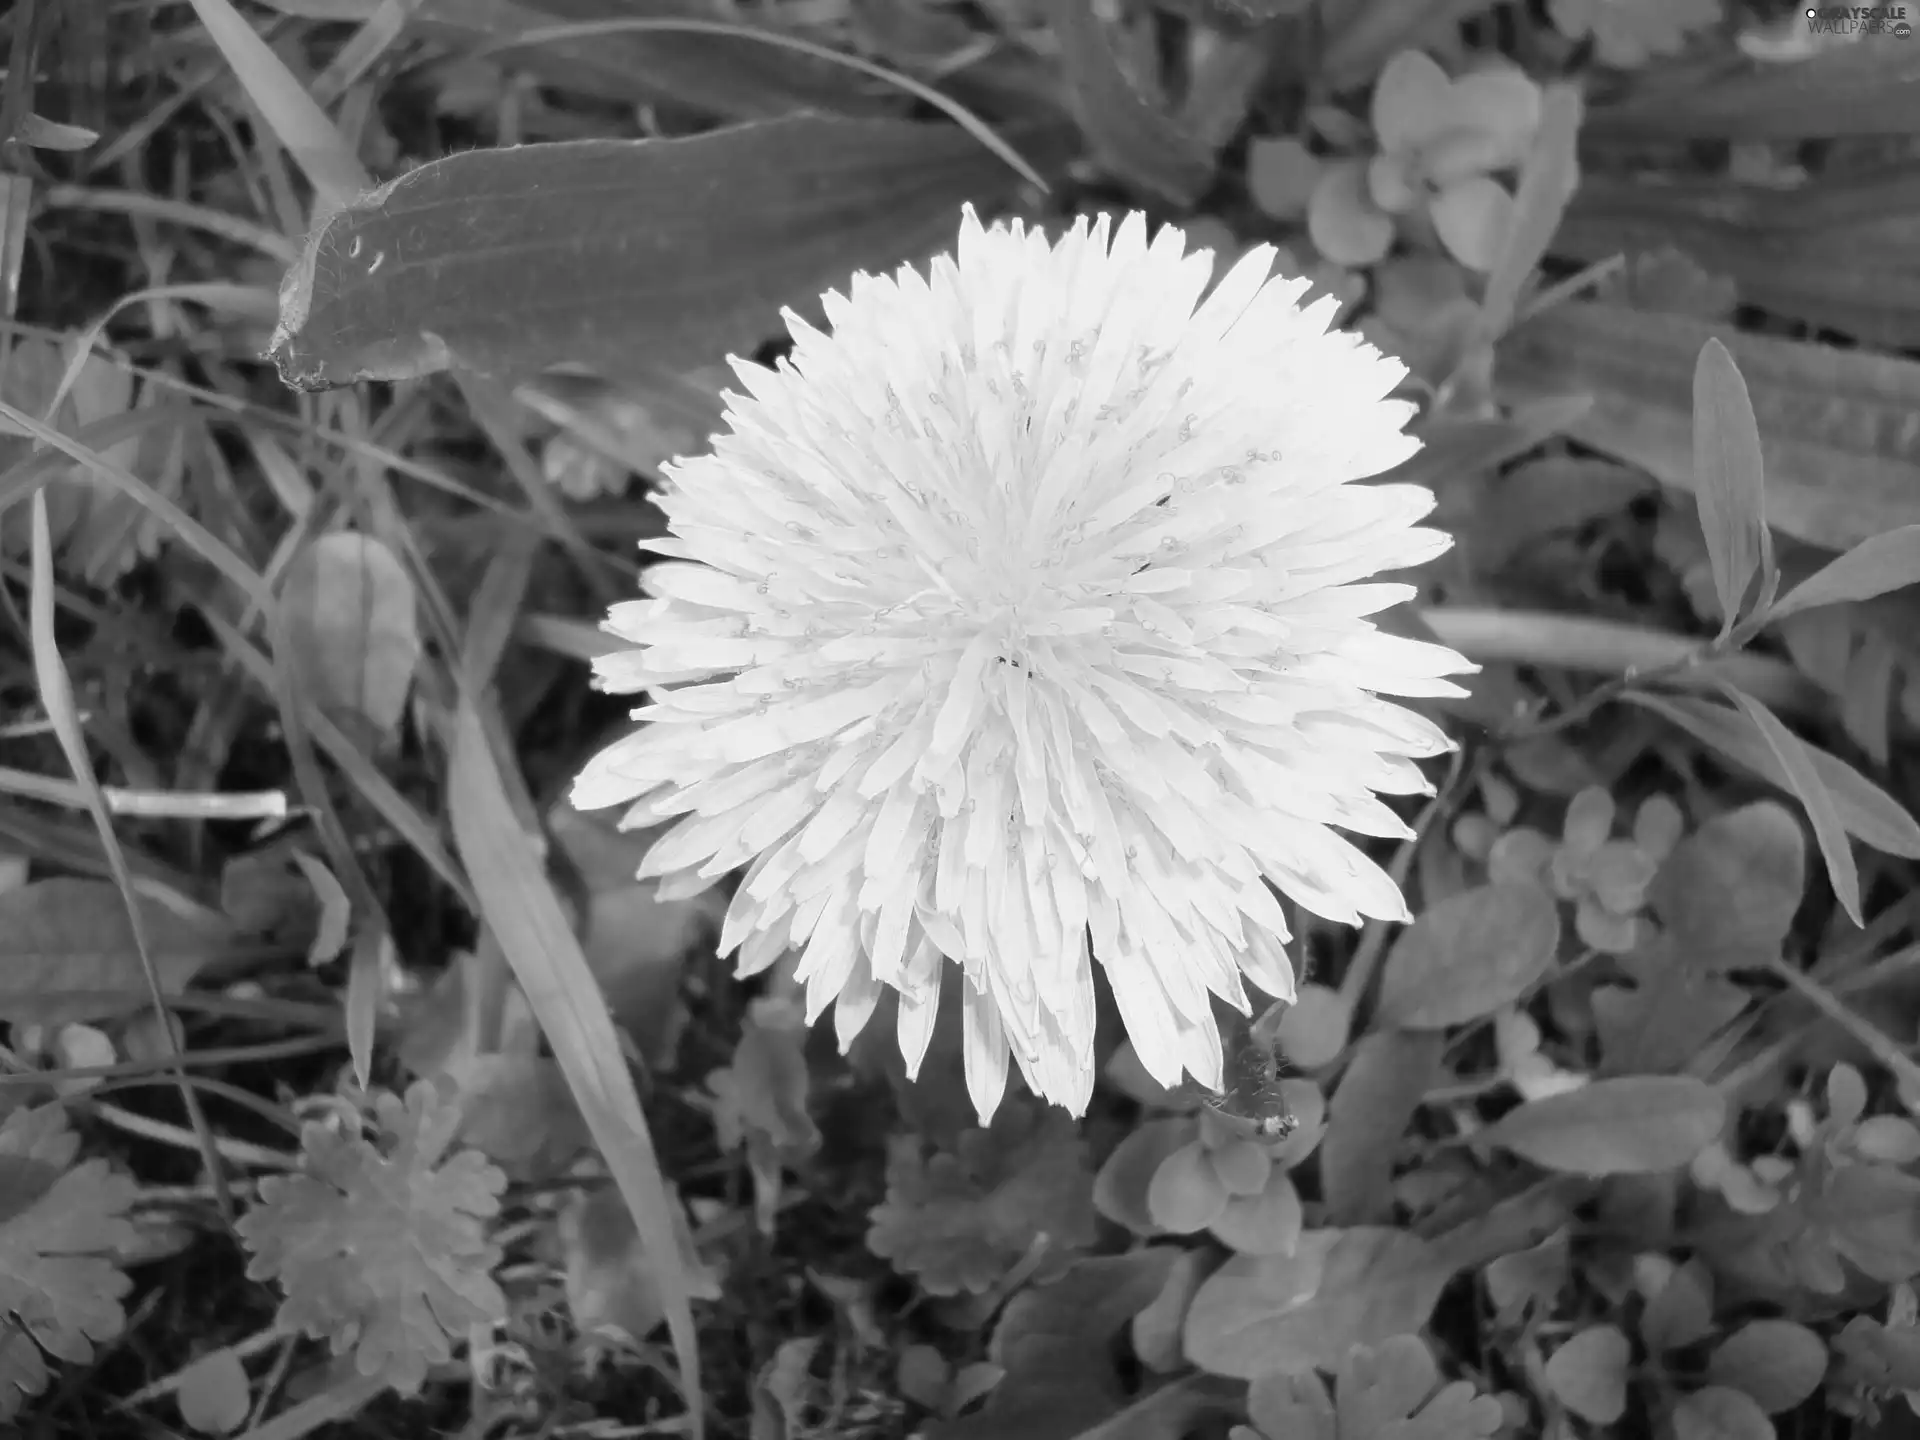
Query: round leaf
(1776, 1362)
(1314, 1030)
(1681, 1312)
(1729, 891)
(1632, 1125)
(1472, 218)
(1410, 100)
(1120, 1189)
(1501, 102)
(1185, 1194)
(1263, 1224)
(1339, 1288)
(1243, 1166)
(1469, 955)
(213, 1394)
(1281, 174)
(1342, 220)
(1717, 1413)
(1588, 1374)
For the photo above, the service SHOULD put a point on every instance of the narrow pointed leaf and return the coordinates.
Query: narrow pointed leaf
(1867, 811)
(1729, 477)
(1876, 565)
(1828, 831)
(519, 905)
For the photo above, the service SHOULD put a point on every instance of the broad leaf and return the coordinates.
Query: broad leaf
(1729, 479)
(1469, 955)
(1777, 1362)
(349, 607)
(67, 951)
(1340, 1288)
(1631, 1125)
(618, 254)
(1728, 893)
(1053, 1342)
(1717, 1413)
(1588, 1374)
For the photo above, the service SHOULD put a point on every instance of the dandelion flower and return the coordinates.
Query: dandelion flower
(1017, 622)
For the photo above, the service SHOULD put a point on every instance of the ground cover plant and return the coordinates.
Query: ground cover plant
(1349, 837)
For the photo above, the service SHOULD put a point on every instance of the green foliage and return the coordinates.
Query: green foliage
(957, 1221)
(380, 1242)
(62, 1229)
(1630, 32)
(1626, 1118)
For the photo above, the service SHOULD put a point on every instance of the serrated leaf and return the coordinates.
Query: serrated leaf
(1777, 1363)
(1838, 451)
(213, 1393)
(515, 260)
(1382, 1086)
(350, 611)
(1629, 1125)
(1805, 781)
(1729, 479)
(1864, 808)
(382, 1249)
(1468, 955)
(1139, 140)
(60, 1288)
(1717, 1413)
(957, 1221)
(1054, 1343)
(67, 951)
(1588, 1374)
(1877, 565)
(1340, 1288)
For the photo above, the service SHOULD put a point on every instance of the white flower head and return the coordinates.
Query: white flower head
(1017, 622)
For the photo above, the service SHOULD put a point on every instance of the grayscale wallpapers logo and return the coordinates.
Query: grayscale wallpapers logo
(1853, 20)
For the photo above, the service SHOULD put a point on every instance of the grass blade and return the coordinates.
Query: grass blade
(518, 903)
(56, 696)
